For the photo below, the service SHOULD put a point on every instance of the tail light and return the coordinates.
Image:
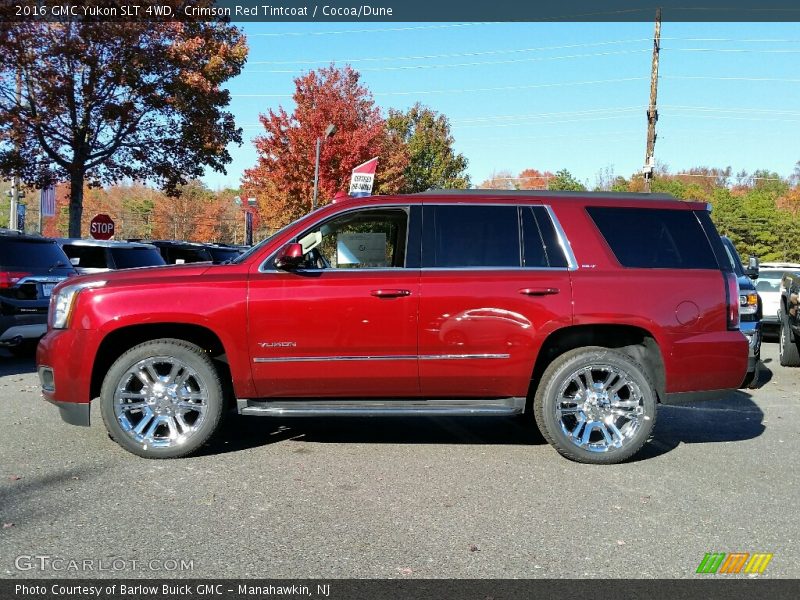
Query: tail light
(11, 278)
(732, 300)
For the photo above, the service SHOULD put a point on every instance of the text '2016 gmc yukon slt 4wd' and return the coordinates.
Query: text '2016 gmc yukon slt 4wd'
(579, 310)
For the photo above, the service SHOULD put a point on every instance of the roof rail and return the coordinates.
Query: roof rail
(545, 194)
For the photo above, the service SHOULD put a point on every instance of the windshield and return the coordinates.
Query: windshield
(769, 281)
(733, 257)
(266, 240)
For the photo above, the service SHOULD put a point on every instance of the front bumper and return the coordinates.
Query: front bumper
(752, 331)
(64, 376)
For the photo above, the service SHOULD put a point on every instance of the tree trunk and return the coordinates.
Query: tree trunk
(75, 203)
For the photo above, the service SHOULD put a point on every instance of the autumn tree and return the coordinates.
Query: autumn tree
(432, 161)
(103, 101)
(533, 179)
(499, 180)
(283, 177)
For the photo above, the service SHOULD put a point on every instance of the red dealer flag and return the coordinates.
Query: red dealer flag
(363, 178)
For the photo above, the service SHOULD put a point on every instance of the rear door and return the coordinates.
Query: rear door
(494, 282)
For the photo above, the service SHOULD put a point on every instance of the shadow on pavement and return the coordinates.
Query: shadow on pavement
(734, 417)
(240, 433)
(13, 365)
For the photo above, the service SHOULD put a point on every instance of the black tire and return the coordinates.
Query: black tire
(787, 348)
(557, 381)
(199, 377)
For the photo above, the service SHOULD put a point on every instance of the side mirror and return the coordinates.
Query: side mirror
(289, 257)
(752, 268)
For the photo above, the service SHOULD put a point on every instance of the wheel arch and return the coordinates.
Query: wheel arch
(638, 343)
(119, 341)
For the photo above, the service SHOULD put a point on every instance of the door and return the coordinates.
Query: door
(345, 323)
(494, 283)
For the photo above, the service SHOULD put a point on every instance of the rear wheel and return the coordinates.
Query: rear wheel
(595, 405)
(787, 348)
(162, 399)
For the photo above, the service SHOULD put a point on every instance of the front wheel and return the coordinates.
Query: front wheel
(595, 405)
(162, 399)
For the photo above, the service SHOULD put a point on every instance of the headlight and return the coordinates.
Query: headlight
(748, 303)
(61, 304)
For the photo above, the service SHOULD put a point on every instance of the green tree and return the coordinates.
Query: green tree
(432, 161)
(564, 181)
(105, 101)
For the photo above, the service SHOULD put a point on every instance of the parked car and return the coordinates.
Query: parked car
(30, 267)
(789, 340)
(221, 253)
(605, 305)
(177, 252)
(750, 309)
(97, 256)
(768, 285)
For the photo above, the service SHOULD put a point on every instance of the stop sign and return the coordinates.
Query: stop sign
(101, 227)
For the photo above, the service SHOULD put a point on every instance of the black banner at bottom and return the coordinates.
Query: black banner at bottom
(424, 589)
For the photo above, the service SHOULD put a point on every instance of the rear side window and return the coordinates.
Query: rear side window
(539, 240)
(87, 257)
(128, 258)
(654, 238)
(24, 254)
(471, 236)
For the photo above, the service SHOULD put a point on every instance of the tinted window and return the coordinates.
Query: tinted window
(223, 254)
(128, 258)
(32, 254)
(471, 236)
(539, 240)
(179, 255)
(87, 257)
(655, 238)
(373, 238)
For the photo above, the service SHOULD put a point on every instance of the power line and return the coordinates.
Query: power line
(446, 55)
(472, 90)
(736, 50)
(716, 78)
(476, 63)
(378, 30)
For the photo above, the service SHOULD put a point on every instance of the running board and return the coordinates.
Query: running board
(382, 408)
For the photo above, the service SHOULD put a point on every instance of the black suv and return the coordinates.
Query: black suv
(96, 256)
(178, 252)
(30, 267)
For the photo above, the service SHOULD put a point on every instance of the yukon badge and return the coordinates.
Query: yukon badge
(278, 344)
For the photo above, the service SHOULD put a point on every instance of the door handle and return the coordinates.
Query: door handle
(390, 293)
(538, 291)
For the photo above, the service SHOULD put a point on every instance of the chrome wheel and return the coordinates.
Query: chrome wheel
(160, 402)
(599, 408)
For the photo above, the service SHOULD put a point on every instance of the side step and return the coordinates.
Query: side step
(382, 408)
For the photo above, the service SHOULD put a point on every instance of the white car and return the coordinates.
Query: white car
(768, 286)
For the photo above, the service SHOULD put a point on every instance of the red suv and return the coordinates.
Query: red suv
(581, 310)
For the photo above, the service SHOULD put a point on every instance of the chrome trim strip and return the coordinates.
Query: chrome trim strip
(397, 357)
(562, 239)
(462, 356)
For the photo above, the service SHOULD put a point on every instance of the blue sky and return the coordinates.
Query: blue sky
(552, 95)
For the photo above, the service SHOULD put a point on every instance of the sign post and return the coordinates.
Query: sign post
(363, 178)
(101, 227)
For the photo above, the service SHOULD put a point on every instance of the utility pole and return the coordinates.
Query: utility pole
(15, 183)
(652, 111)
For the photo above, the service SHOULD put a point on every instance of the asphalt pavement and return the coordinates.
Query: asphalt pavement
(400, 498)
